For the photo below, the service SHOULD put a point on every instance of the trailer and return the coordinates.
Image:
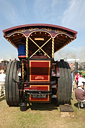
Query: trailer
(37, 77)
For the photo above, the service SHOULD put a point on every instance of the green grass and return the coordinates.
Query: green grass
(40, 116)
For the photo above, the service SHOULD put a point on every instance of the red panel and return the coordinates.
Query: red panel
(36, 88)
(22, 56)
(39, 77)
(40, 99)
(40, 87)
(39, 70)
(40, 64)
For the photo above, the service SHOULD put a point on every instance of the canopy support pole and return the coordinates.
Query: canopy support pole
(52, 47)
(22, 70)
(26, 47)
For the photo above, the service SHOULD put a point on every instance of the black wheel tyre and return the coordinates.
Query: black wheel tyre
(64, 83)
(23, 106)
(11, 87)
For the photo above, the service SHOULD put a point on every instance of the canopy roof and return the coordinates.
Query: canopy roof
(40, 33)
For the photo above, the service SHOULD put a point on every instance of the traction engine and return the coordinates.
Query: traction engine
(37, 77)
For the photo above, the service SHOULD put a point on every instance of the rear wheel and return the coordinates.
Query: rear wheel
(11, 87)
(64, 83)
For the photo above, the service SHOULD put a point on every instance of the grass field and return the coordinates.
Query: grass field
(40, 116)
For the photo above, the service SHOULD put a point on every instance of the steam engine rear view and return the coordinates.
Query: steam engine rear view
(37, 77)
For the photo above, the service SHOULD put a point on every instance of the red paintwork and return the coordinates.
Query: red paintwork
(37, 83)
(22, 56)
(39, 99)
(36, 68)
(39, 63)
(41, 25)
(53, 31)
(37, 87)
(43, 88)
(45, 78)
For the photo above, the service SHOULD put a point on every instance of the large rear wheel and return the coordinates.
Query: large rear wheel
(64, 83)
(11, 87)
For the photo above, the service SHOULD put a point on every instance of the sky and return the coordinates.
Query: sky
(66, 13)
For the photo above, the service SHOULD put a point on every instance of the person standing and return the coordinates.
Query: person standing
(72, 82)
(77, 78)
(80, 92)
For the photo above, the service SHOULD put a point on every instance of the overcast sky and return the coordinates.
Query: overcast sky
(66, 13)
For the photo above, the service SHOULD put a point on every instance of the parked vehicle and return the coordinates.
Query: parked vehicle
(37, 77)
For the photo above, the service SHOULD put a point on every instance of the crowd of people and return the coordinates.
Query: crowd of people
(80, 89)
(2, 82)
